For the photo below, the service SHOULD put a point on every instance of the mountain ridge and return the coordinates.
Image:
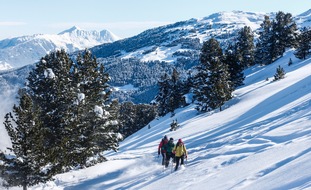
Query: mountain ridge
(141, 60)
(20, 51)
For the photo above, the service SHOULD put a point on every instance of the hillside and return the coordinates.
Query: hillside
(25, 50)
(138, 61)
(261, 140)
(141, 60)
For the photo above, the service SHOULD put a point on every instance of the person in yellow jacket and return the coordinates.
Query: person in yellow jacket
(180, 152)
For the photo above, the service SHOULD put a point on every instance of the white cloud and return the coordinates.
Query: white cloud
(112, 25)
(12, 23)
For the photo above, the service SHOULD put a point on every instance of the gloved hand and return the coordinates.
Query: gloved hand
(158, 152)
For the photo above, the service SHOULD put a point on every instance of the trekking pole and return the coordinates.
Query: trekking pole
(173, 163)
(172, 167)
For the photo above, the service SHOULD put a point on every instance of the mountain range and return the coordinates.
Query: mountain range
(25, 50)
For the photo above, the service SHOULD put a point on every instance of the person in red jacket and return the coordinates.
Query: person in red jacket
(161, 149)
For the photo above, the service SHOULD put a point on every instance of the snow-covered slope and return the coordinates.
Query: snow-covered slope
(20, 51)
(222, 25)
(176, 45)
(304, 19)
(261, 140)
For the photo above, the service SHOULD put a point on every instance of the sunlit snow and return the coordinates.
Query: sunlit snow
(261, 140)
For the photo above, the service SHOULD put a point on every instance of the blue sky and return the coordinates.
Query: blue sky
(125, 18)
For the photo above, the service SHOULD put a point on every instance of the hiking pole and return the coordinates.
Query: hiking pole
(172, 167)
(173, 163)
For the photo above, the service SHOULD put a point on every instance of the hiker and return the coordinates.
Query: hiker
(169, 151)
(161, 147)
(180, 152)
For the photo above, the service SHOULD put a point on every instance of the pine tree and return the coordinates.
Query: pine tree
(284, 34)
(144, 114)
(23, 166)
(94, 114)
(290, 62)
(245, 47)
(216, 88)
(200, 88)
(161, 98)
(51, 89)
(175, 96)
(134, 117)
(264, 45)
(280, 73)
(78, 120)
(304, 44)
(127, 117)
(235, 67)
(170, 96)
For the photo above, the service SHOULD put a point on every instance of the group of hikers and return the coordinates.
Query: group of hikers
(169, 150)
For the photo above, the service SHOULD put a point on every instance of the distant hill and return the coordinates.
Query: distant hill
(142, 59)
(24, 50)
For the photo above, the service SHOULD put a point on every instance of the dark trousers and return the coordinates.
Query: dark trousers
(181, 159)
(163, 158)
(169, 155)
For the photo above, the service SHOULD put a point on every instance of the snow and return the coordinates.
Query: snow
(241, 18)
(162, 53)
(125, 88)
(188, 98)
(98, 110)
(81, 97)
(5, 66)
(222, 23)
(261, 140)
(24, 50)
(48, 73)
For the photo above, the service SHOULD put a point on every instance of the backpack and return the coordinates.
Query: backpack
(163, 145)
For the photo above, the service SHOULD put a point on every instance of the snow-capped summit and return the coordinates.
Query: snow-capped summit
(307, 13)
(24, 50)
(304, 19)
(70, 30)
(103, 36)
(237, 18)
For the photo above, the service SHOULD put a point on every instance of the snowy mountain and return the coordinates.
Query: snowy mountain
(260, 141)
(304, 19)
(147, 56)
(222, 26)
(140, 61)
(20, 51)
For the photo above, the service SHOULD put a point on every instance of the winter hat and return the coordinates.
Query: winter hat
(171, 139)
(165, 137)
(179, 141)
